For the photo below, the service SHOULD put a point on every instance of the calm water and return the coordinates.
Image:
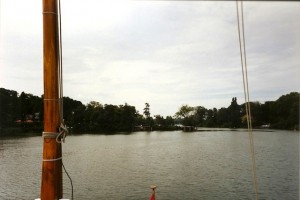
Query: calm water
(198, 165)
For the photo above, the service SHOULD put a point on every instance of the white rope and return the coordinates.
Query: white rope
(63, 131)
(60, 136)
(246, 95)
(53, 13)
(48, 135)
(52, 160)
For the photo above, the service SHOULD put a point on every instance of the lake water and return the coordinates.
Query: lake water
(198, 165)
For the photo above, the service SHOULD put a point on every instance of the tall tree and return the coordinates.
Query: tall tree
(186, 115)
(147, 110)
(211, 120)
(285, 112)
(201, 115)
(9, 107)
(73, 113)
(184, 111)
(234, 114)
(223, 117)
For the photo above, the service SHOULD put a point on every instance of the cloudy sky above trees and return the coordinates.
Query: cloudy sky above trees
(166, 53)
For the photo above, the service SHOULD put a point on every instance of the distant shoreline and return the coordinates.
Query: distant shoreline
(18, 132)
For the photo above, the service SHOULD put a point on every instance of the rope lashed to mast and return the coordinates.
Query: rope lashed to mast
(242, 44)
(62, 128)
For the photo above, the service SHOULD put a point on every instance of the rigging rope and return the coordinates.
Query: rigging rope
(246, 92)
(60, 73)
(63, 130)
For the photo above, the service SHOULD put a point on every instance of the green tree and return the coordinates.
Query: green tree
(285, 112)
(211, 120)
(235, 115)
(147, 110)
(184, 111)
(169, 121)
(73, 113)
(159, 120)
(29, 105)
(9, 107)
(201, 114)
(256, 114)
(92, 116)
(223, 117)
(266, 112)
(128, 117)
(186, 115)
(149, 121)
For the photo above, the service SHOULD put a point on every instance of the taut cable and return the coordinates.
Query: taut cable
(246, 94)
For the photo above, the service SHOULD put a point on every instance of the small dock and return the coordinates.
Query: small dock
(189, 128)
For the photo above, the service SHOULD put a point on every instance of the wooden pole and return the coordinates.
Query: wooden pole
(51, 186)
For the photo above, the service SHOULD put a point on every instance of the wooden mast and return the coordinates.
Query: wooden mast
(51, 186)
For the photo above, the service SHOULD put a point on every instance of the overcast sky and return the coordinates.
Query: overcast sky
(166, 53)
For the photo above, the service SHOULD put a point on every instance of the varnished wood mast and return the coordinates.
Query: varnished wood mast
(51, 187)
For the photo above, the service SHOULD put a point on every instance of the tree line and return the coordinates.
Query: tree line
(280, 114)
(25, 112)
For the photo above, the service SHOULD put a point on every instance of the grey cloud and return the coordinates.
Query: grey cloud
(165, 53)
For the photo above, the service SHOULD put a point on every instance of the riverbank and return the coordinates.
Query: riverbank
(37, 131)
